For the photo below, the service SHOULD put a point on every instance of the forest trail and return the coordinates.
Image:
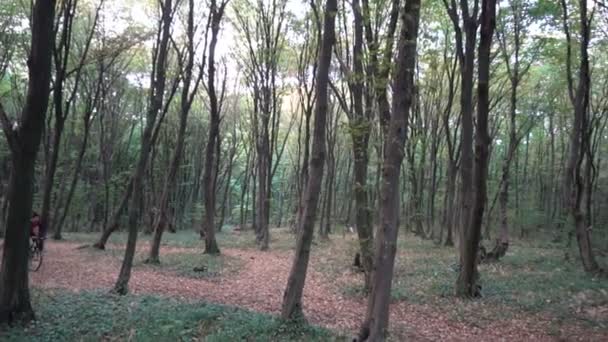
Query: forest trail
(259, 284)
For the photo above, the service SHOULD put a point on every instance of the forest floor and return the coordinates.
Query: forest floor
(533, 294)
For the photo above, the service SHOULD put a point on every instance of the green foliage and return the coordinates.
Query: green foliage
(94, 316)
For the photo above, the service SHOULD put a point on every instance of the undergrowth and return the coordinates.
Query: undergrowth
(280, 239)
(533, 279)
(194, 264)
(95, 316)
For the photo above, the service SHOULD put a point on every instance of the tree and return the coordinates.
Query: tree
(24, 141)
(465, 51)
(468, 278)
(94, 91)
(307, 66)
(113, 223)
(513, 26)
(360, 120)
(375, 325)
(264, 48)
(453, 146)
(157, 100)
(379, 66)
(574, 185)
(63, 104)
(212, 149)
(189, 80)
(333, 117)
(292, 298)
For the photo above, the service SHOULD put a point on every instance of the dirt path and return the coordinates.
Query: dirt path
(259, 286)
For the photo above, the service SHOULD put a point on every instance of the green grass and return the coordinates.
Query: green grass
(280, 239)
(94, 316)
(534, 278)
(181, 262)
(184, 263)
(529, 280)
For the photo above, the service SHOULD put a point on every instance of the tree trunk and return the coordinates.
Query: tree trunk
(211, 160)
(61, 54)
(59, 224)
(292, 298)
(467, 284)
(502, 243)
(245, 190)
(449, 215)
(156, 104)
(228, 186)
(466, 195)
(114, 220)
(435, 142)
(375, 325)
(579, 140)
(263, 200)
(171, 178)
(24, 143)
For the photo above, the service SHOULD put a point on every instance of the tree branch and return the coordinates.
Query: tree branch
(11, 135)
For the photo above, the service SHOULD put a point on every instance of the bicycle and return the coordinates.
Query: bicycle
(35, 255)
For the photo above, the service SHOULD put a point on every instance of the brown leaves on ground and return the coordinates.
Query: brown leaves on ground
(259, 285)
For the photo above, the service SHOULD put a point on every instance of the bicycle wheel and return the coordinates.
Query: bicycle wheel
(35, 259)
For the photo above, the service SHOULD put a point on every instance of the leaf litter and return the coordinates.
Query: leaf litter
(259, 284)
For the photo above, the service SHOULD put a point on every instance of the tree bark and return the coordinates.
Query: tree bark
(579, 140)
(78, 166)
(515, 73)
(61, 54)
(449, 218)
(467, 284)
(212, 160)
(24, 143)
(114, 220)
(228, 187)
(360, 128)
(375, 325)
(157, 93)
(292, 298)
(186, 101)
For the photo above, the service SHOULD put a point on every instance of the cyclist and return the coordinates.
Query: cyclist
(37, 230)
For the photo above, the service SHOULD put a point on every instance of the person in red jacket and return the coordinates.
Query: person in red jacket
(37, 230)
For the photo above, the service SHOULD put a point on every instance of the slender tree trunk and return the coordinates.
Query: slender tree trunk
(156, 105)
(360, 129)
(61, 54)
(292, 298)
(262, 232)
(305, 159)
(114, 220)
(433, 184)
(375, 325)
(449, 217)
(579, 140)
(212, 161)
(502, 243)
(254, 194)
(227, 188)
(171, 178)
(245, 191)
(75, 177)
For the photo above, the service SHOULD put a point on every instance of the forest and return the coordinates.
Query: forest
(290, 170)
